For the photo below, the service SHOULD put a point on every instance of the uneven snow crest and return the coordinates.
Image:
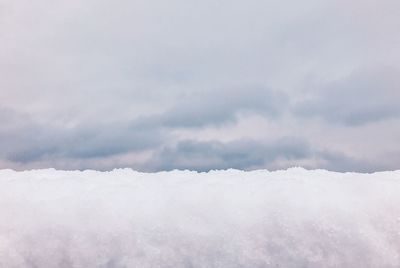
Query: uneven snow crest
(123, 218)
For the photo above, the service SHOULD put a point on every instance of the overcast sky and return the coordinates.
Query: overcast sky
(158, 85)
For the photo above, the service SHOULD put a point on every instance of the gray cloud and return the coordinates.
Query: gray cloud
(240, 154)
(219, 107)
(35, 140)
(85, 83)
(34, 143)
(340, 162)
(360, 98)
(251, 154)
(28, 141)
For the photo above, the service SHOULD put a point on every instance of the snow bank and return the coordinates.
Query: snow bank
(123, 218)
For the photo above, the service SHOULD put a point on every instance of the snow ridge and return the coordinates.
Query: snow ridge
(232, 218)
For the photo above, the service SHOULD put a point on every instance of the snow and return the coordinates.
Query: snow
(123, 218)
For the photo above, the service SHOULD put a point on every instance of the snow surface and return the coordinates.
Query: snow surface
(123, 218)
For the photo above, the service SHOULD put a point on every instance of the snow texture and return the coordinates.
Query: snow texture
(123, 218)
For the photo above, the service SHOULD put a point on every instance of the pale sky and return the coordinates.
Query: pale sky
(158, 85)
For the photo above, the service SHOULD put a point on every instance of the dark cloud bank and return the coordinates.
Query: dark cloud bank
(29, 143)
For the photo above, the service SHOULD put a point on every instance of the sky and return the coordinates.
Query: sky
(161, 85)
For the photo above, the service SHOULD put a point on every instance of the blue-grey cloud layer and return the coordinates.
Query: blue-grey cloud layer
(361, 98)
(200, 85)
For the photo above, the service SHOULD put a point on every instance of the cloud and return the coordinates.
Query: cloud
(29, 141)
(240, 154)
(219, 107)
(363, 97)
(90, 81)
(252, 154)
(340, 162)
